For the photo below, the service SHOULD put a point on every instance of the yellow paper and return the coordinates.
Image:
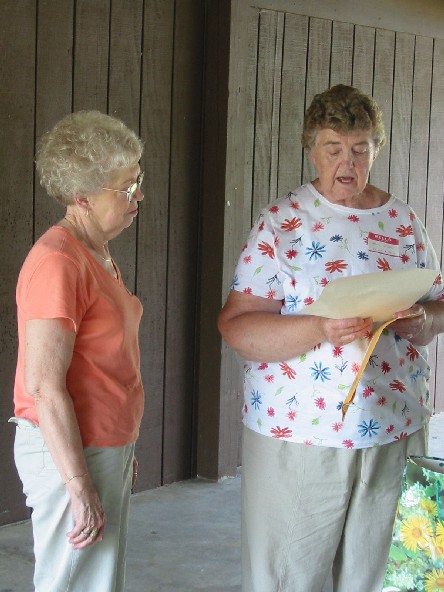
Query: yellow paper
(377, 295)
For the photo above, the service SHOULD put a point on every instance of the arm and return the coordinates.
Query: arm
(48, 354)
(254, 327)
(423, 328)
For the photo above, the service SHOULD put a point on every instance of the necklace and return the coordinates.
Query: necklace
(107, 260)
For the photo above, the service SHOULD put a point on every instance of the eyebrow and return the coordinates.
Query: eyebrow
(336, 143)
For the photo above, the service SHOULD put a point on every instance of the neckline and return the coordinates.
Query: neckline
(347, 209)
(117, 278)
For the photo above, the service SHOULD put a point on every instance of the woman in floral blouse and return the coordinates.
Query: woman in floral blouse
(320, 491)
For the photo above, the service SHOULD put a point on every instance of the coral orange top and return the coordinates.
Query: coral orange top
(61, 279)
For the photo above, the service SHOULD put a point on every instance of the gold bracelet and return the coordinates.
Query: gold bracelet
(75, 477)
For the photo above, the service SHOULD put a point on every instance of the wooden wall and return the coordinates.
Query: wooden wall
(283, 52)
(140, 60)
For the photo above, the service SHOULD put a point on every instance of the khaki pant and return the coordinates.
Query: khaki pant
(58, 567)
(308, 510)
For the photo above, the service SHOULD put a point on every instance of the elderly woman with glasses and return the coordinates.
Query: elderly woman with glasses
(320, 489)
(78, 393)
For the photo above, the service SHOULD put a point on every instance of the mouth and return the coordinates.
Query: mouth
(345, 180)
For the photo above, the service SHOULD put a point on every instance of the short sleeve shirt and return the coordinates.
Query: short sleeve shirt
(298, 244)
(61, 279)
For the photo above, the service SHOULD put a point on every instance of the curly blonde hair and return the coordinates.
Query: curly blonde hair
(343, 109)
(76, 157)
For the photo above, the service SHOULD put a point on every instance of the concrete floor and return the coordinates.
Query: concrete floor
(182, 538)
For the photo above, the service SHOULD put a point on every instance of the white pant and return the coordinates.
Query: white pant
(59, 567)
(308, 510)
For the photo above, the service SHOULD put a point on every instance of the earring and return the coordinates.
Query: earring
(86, 212)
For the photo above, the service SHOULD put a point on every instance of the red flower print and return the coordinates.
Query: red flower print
(382, 401)
(287, 371)
(271, 294)
(294, 282)
(317, 227)
(408, 422)
(390, 429)
(337, 426)
(291, 415)
(401, 436)
(247, 259)
(420, 247)
(269, 378)
(262, 366)
(309, 300)
(244, 247)
(247, 291)
(404, 230)
(338, 265)
(320, 403)
(412, 353)
(401, 362)
(274, 209)
(405, 258)
(385, 367)
(337, 351)
(421, 401)
(245, 409)
(279, 432)
(438, 280)
(270, 412)
(294, 205)
(397, 385)
(412, 216)
(367, 392)
(261, 226)
(276, 241)
(347, 444)
(353, 218)
(393, 213)
(324, 282)
(383, 264)
(368, 335)
(308, 443)
(291, 254)
(317, 346)
(266, 249)
(355, 368)
(289, 225)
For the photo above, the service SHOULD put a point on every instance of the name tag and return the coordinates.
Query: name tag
(378, 243)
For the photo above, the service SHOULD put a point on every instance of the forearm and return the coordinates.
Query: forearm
(434, 323)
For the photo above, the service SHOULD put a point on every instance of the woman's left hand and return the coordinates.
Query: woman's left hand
(410, 323)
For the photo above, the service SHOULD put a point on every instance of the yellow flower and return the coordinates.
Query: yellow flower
(434, 581)
(429, 506)
(440, 533)
(435, 550)
(414, 532)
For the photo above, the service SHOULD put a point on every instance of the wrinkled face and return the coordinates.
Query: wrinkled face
(110, 207)
(343, 163)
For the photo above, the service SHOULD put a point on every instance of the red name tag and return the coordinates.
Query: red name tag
(378, 243)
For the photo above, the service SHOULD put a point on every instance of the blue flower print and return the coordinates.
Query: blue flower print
(316, 250)
(256, 399)
(235, 282)
(320, 372)
(369, 429)
(292, 302)
(336, 238)
(362, 255)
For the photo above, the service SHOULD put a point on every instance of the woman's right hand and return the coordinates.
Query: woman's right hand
(341, 332)
(87, 513)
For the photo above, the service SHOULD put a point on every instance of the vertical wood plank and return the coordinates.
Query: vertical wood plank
(55, 38)
(435, 193)
(383, 94)
(152, 246)
(292, 102)
(402, 112)
(318, 73)
(124, 103)
(17, 111)
(341, 68)
(183, 242)
(276, 109)
(91, 55)
(363, 58)
(264, 109)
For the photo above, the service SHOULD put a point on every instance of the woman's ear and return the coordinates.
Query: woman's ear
(83, 204)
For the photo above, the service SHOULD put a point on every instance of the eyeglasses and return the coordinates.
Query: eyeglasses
(131, 189)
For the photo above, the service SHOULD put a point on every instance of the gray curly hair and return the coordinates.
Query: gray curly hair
(343, 109)
(76, 157)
